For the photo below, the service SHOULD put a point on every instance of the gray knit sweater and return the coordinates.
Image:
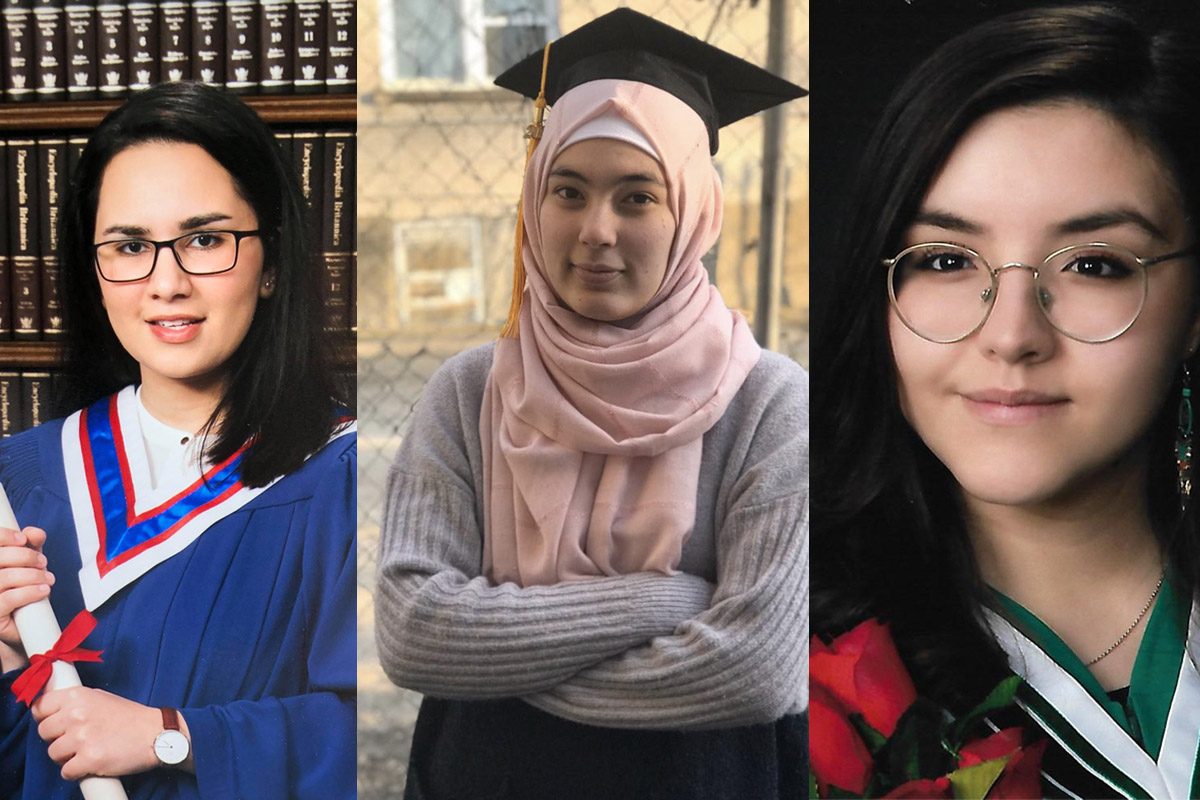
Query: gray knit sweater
(724, 642)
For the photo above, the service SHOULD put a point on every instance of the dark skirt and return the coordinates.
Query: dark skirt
(508, 749)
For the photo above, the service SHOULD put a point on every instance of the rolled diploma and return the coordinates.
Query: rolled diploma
(39, 631)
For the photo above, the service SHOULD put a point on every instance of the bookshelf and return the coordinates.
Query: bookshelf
(31, 355)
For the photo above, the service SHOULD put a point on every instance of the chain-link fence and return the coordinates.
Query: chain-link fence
(440, 155)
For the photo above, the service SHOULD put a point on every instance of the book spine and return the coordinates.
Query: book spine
(276, 38)
(19, 53)
(10, 403)
(335, 231)
(83, 73)
(23, 239)
(112, 49)
(284, 140)
(143, 45)
(50, 41)
(52, 175)
(35, 399)
(208, 41)
(60, 388)
(309, 157)
(352, 223)
(309, 64)
(306, 149)
(6, 225)
(241, 46)
(75, 146)
(175, 40)
(341, 76)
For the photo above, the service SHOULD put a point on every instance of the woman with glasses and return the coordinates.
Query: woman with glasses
(201, 503)
(1005, 414)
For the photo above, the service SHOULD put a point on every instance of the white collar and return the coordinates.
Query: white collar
(174, 454)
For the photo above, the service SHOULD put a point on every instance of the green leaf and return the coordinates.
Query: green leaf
(973, 783)
(813, 793)
(873, 739)
(915, 747)
(1000, 697)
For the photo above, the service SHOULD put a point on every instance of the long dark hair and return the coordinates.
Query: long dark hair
(280, 391)
(889, 538)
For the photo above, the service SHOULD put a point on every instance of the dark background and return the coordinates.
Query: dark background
(860, 50)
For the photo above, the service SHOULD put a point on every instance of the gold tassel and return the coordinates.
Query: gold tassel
(533, 134)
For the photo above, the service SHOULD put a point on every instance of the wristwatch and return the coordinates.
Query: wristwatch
(171, 746)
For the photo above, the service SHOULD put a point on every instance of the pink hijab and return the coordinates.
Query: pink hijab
(592, 433)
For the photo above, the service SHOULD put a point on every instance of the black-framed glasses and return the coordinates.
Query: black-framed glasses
(1089, 292)
(196, 253)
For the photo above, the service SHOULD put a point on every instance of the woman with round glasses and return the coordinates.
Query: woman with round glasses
(201, 503)
(1005, 411)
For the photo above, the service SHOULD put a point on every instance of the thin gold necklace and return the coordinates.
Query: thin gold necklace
(1136, 622)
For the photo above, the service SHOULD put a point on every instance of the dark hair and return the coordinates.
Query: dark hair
(889, 538)
(280, 391)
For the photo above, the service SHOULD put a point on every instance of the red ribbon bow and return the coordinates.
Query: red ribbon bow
(41, 666)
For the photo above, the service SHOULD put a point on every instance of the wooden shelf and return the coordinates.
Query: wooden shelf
(299, 109)
(31, 355)
(283, 109)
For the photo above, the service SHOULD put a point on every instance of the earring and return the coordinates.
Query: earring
(1183, 440)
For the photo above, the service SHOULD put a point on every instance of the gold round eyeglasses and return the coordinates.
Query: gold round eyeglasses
(1089, 292)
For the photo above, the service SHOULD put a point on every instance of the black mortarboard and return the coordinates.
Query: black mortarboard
(624, 44)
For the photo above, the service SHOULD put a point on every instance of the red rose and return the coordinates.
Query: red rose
(838, 756)
(1022, 776)
(924, 789)
(998, 745)
(862, 669)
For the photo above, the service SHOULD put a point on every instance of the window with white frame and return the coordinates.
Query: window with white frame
(469, 42)
(439, 271)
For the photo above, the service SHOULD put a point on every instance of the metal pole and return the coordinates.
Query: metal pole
(771, 208)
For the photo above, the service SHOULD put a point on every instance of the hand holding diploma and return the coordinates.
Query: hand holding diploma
(25, 605)
(24, 579)
(94, 732)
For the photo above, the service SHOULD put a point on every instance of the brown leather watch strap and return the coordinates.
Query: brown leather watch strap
(170, 719)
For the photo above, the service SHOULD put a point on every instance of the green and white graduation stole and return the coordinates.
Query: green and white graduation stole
(1165, 691)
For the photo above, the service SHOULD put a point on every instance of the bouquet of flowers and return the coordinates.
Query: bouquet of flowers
(872, 736)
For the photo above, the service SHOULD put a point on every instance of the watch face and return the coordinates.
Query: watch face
(171, 747)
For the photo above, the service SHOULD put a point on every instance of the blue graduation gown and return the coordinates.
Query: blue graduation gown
(250, 632)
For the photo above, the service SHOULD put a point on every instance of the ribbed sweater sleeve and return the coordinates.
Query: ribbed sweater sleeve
(739, 662)
(642, 650)
(744, 660)
(441, 628)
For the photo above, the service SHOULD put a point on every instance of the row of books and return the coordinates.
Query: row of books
(326, 163)
(26, 400)
(67, 49)
(33, 172)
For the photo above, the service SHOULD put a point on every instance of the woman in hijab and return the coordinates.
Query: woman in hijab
(593, 557)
